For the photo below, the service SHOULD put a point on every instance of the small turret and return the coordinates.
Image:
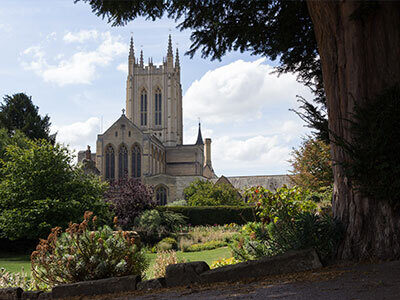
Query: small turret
(199, 137)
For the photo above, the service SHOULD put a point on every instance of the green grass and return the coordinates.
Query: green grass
(14, 263)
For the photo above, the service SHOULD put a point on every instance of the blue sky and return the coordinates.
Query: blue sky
(73, 64)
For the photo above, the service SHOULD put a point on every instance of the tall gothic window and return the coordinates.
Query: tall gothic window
(122, 162)
(161, 195)
(143, 108)
(157, 112)
(110, 163)
(136, 162)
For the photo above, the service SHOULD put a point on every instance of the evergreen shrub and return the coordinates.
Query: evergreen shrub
(213, 215)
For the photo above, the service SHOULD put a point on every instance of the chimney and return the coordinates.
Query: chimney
(207, 153)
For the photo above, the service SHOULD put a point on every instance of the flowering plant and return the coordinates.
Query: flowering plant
(81, 254)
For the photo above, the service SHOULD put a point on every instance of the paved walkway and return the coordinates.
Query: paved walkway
(357, 282)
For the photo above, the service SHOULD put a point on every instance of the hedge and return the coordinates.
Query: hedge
(210, 215)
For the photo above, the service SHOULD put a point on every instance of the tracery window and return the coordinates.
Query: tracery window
(143, 108)
(136, 162)
(110, 163)
(161, 195)
(157, 110)
(122, 162)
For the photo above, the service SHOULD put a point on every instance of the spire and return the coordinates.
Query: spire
(131, 50)
(177, 59)
(141, 58)
(169, 52)
(199, 137)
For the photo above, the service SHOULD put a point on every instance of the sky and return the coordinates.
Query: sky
(74, 65)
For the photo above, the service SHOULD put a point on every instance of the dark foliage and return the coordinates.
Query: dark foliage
(374, 165)
(129, 197)
(275, 28)
(17, 112)
(210, 215)
(154, 225)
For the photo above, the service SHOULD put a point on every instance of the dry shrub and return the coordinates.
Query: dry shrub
(164, 259)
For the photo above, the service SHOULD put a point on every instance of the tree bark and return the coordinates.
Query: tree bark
(360, 58)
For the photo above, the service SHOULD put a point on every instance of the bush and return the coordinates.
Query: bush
(224, 262)
(167, 243)
(271, 204)
(213, 215)
(205, 193)
(181, 202)
(205, 246)
(80, 254)
(39, 189)
(163, 260)
(20, 279)
(154, 225)
(129, 197)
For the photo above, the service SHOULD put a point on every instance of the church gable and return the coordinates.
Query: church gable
(123, 129)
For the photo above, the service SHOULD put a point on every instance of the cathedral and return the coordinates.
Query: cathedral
(146, 141)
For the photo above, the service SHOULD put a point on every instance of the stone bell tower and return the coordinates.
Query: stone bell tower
(154, 96)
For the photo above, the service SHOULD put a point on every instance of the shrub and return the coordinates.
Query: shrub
(205, 246)
(224, 262)
(211, 215)
(164, 259)
(154, 225)
(20, 279)
(80, 254)
(205, 193)
(181, 202)
(39, 189)
(270, 204)
(129, 197)
(167, 243)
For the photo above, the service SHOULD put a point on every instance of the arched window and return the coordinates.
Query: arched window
(110, 163)
(122, 162)
(143, 108)
(136, 162)
(161, 195)
(157, 110)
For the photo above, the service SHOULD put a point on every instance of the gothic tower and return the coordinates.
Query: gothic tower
(154, 96)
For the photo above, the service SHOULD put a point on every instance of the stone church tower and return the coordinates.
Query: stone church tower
(163, 116)
(146, 142)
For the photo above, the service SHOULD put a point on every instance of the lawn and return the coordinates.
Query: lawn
(14, 263)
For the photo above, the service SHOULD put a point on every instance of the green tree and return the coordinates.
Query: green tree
(205, 193)
(346, 49)
(17, 139)
(17, 112)
(312, 165)
(40, 189)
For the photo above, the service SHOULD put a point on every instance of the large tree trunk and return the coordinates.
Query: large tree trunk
(360, 57)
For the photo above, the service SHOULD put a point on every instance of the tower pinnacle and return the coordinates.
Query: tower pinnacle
(169, 52)
(177, 59)
(141, 58)
(131, 50)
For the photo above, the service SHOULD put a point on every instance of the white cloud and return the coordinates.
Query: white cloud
(5, 28)
(79, 134)
(255, 155)
(81, 67)
(239, 92)
(80, 36)
(123, 68)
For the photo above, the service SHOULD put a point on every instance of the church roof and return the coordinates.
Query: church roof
(271, 182)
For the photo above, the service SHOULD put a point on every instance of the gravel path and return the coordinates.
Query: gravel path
(352, 282)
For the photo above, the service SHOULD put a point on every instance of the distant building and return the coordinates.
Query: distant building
(147, 141)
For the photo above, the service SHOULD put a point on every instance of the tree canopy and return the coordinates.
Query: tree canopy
(17, 112)
(277, 29)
